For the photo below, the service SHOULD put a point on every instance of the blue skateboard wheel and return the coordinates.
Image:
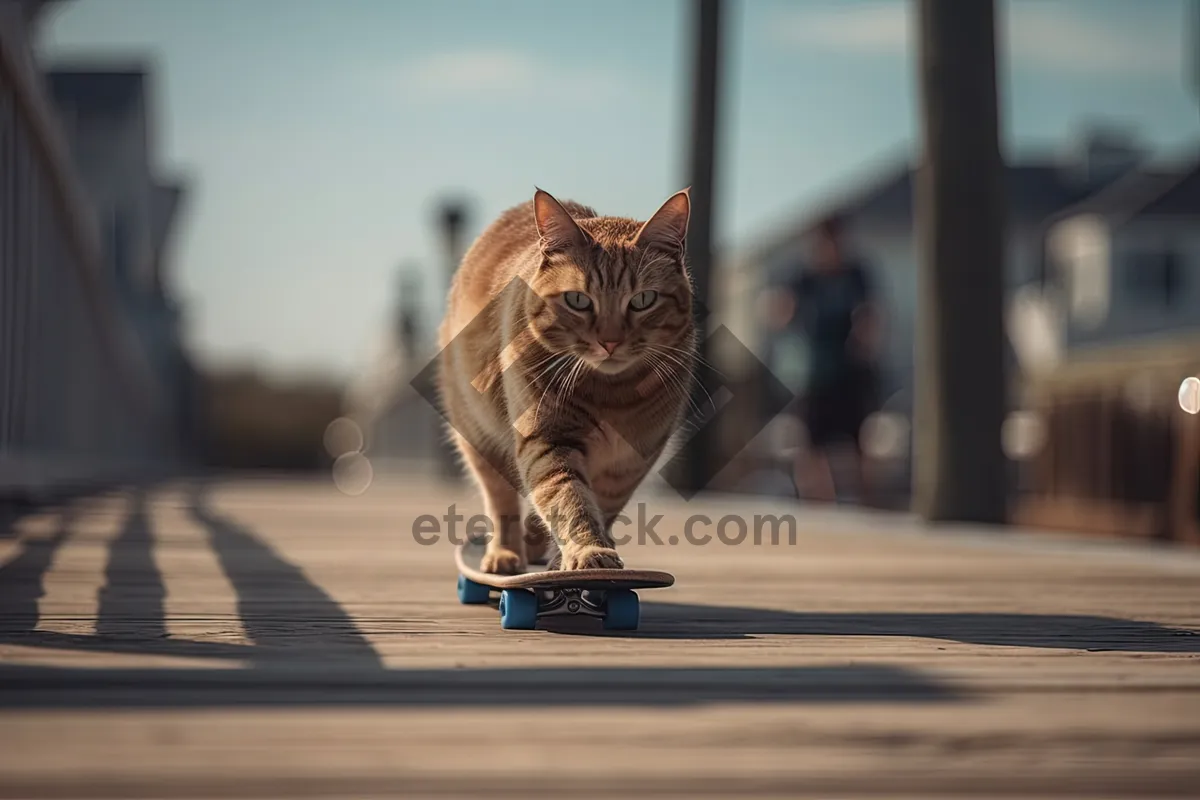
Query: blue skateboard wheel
(622, 611)
(518, 609)
(471, 593)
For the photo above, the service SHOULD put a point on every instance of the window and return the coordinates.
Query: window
(1080, 249)
(118, 249)
(1154, 277)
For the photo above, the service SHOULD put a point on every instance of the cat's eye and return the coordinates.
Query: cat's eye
(643, 300)
(577, 300)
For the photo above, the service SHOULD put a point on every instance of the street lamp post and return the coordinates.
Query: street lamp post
(452, 219)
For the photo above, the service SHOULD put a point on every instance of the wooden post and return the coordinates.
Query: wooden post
(960, 470)
(706, 71)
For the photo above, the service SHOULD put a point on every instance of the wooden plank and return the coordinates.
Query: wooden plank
(1100, 517)
(863, 656)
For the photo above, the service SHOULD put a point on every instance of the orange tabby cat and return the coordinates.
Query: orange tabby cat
(567, 365)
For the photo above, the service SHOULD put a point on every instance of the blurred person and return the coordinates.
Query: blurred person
(832, 304)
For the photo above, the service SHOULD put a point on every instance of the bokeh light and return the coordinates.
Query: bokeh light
(352, 473)
(1189, 395)
(343, 436)
(885, 436)
(1023, 435)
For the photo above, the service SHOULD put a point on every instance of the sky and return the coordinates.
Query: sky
(317, 137)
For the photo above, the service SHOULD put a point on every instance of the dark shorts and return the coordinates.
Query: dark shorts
(835, 410)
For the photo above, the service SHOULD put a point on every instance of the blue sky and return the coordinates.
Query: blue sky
(320, 134)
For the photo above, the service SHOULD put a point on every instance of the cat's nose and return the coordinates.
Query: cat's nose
(610, 346)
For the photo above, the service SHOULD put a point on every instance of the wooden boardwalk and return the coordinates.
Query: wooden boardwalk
(273, 639)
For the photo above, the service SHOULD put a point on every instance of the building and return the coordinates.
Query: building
(1124, 263)
(107, 116)
(879, 214)
(1101, 245)
(95, 385)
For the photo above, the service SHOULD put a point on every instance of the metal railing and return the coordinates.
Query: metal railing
(80, 403)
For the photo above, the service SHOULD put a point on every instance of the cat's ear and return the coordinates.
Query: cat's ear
(558, 229)
(667, 229)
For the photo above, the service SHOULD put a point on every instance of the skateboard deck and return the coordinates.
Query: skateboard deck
(538, 592)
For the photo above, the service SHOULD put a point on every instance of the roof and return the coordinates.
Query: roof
(1180, 199)
(97, 91)
(1156, 191)
(34, 10)
(1036, 190)
(167, 199)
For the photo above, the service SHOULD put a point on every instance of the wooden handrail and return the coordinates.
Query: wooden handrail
(80, 229)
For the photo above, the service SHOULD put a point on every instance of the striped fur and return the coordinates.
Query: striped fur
(536, 401)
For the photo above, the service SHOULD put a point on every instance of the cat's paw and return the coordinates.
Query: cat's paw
(537, 540)
(590, 558)
(502, 561)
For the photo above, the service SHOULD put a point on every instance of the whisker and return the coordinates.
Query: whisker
(552, 357)
(560, 397)
(692, 354)
(558, 367)
(681, 365)
(673, 381)
(573, 380)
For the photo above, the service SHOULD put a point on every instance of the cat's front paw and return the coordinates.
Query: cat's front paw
(502, 561)
(537, 540)
(590, 558)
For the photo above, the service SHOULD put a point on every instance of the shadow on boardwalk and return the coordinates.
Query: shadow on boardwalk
(306, 649)
(311, 685)
(282, 611)
(1040, 631)
(286, 616)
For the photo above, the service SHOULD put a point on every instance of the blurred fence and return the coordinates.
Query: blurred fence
(80, 405)
(1118, 455)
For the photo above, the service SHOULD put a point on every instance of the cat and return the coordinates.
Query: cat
(568, 354)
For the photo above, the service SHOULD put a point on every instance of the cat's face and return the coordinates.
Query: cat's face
(610, 293)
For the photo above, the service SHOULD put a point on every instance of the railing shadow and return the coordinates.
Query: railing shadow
(661, 620)
(131, 602)
(287, 617)
(546, 687)
(282, 611)
(130, 616)
(22, 577)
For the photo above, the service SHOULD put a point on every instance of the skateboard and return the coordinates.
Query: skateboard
(606, 594)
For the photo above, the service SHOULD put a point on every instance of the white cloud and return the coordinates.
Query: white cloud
(480, 71)
(875, 29)
(502, 74)
(1045, 36)
(1037, 35)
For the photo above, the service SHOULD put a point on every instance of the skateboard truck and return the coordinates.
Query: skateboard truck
(570, 602)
